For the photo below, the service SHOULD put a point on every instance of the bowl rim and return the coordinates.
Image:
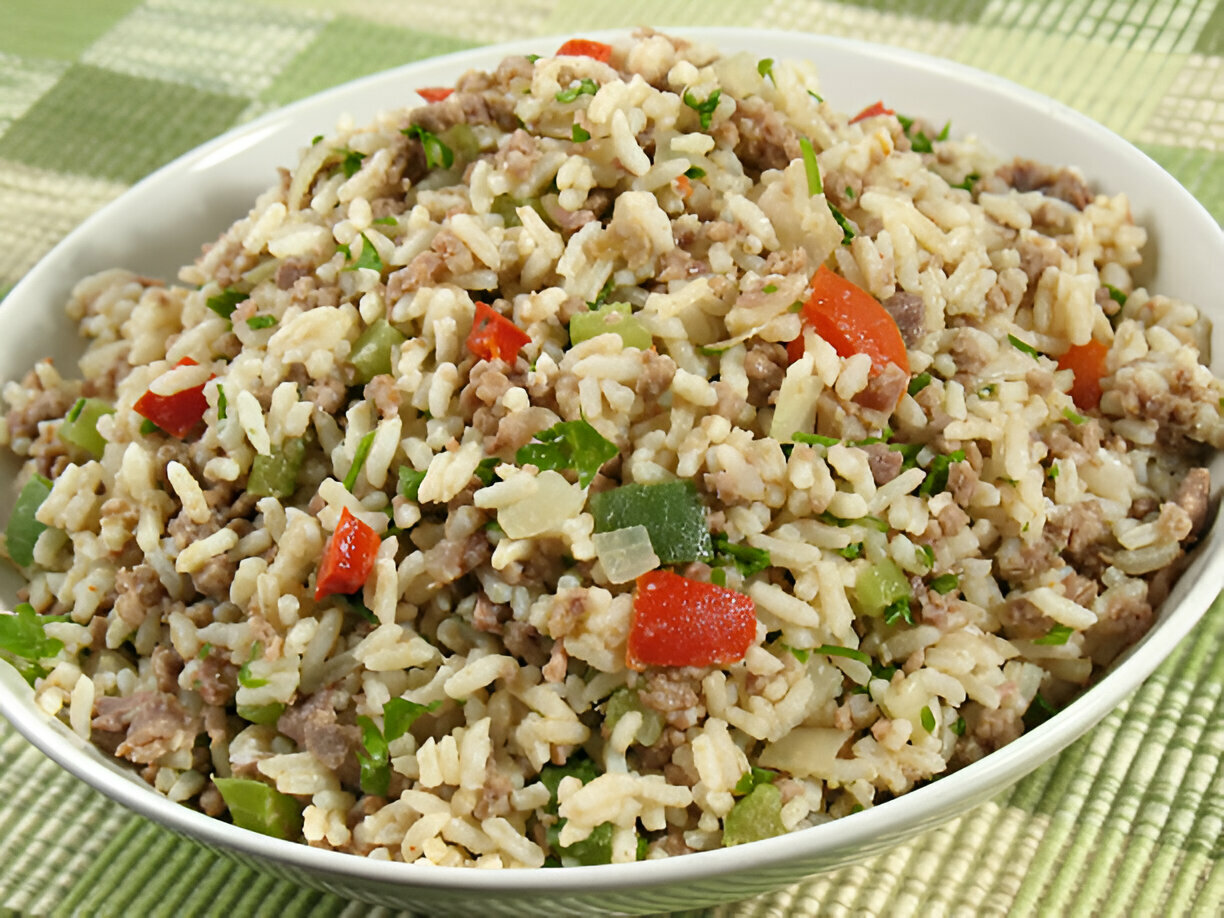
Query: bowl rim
(926, 805)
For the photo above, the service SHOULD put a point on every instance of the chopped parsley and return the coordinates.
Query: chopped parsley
(765, 67)
(245, 679)
(225, 302)
(484, 470)
(436, 152)
(945, 583)
(1023, 346)
(399, 714)
(928, 719)
(770, 288)
(704, 109)
(532, 58)
(811, 167)
(579, 134)
(1039, 711)
(258, 322)
(958, 726)
(802, 654)
(695, 172)
(409, 482)
(815, 95)
(350, 162)
(1073, 416)
(747, 559)
(386, 221)
(849, 192)
(1056, 636)
(928, 553)
(1115, 294)
(849, 653)
(222, 406)
(569, 445)
(966, 184)
(315, 139)
(585, 87)
(1052, 471)
(205, 651)
(937, 473)
(873, 522)
(847, 230)
(368, 258)
(918, 383)
(148, 427)
(359, 458)
(898, 610)
(851, 551)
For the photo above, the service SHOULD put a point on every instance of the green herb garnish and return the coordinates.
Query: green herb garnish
(811, 167)
(814, 439)
(1115, 294)
(350, 163)
(966, 184)
(849, 653)
(918, 383)
(945, 583)
(1056, 636)
(937, 473)
(225, 302)
(585, 87)
(368, 258)
(928, 719)
(579, 134)
(1023, 346)
(695, 172)
(1073, 416)
(753, 777)
(436, 152)
(704, 109)
(245, 679)
(847, 230)
(409, 482)
(258, 322)
(747, 559)
(765, 67)
(569, 445)
(359, 458)
(851, 551)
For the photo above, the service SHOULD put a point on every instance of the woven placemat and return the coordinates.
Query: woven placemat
(96, 93)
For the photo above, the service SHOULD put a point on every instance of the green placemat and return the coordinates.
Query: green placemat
(96, 93)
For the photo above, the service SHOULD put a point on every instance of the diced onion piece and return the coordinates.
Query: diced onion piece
(554, 502)
(625, 554)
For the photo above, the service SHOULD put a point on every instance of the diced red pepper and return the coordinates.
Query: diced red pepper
(583, 47)
(176, 414)
(876, 108)
(493, 336)
(677, 621)
(851, 320)
(1087, 362)
(434, 93)
(348, 557)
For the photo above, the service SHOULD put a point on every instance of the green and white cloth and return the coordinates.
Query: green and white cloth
(95, 94)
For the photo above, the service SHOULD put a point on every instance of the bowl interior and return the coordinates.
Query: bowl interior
(161, 223)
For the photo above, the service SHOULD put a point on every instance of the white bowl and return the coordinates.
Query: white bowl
(161, 223)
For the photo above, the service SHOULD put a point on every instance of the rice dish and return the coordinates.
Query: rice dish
(621, 455)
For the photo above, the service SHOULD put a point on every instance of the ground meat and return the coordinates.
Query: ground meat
(215, 577)
(676, 694)
(385, 395)
(155, 724)
(567, 221)
(291, 270)
(1079, 531)
(517, 155)
(1064, 184)
(311, 723)
(487, 384)
(522, 640)
(995, 728)
(765, 365)
(494, 793)
(1036, 254)
(766, 141)
(451, 558)
(656, 376)
(425, 270)
(329, 394)
(909, 313)
(962, 482)
(1126, 617)
(1194, 496)
(488, 616)
(558, 664)
(885, 463)
(215, 679)
(1021, 619)
(138, 591)
(46, 405)
(884, 389)
(1017, 562)
(167, 664)
(517, 429)
(466, 107)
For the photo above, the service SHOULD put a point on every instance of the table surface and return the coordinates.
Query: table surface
(96, 93)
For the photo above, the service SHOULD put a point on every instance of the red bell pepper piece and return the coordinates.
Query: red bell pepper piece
(348, 557)
(434, 93)
(1087, 362)
(677, 621)
(175, 414)
(876, 108)
(493, 336)
(851, 320)
(583, 47)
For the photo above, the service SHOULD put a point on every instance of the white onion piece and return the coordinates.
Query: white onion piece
(625, 554)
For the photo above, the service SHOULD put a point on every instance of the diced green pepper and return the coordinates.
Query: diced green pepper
(80, 425)
(23, 529)
(462, 140)
(261, 808)
(616, 318)
(880, 585)
(671, 511)
(625, 700)
(596, 848)
(371, 354)
(276, 475)
(756, 816)
(261, 713)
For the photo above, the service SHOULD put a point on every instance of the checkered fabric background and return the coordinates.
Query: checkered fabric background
(95, 94)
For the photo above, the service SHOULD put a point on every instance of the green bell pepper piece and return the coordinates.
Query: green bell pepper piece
(671, 511)
(757, 816)
(23, 529)
(276, 475)
(371, 354)
(260, 807)
(80, 426)
(623, 701)
(617, 318)
(261, 713)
